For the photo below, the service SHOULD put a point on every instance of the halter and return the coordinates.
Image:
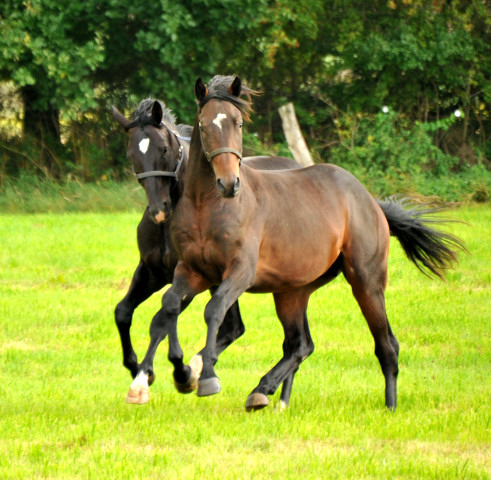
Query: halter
(210, 155)
(163, 173)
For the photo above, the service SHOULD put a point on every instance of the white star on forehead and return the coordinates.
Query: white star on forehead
(143, 145)
(218, 120)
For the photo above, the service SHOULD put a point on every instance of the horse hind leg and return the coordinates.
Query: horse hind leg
(297, 346)
(370, 296)
(286, 388)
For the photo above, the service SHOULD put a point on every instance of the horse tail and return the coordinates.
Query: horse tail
(431, 250)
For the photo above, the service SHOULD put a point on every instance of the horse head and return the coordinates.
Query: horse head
(156, 154)
(220, 119)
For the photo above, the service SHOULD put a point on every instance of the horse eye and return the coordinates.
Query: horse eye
(240, 124)
(200, 126)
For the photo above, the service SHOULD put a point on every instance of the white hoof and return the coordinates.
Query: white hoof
(139, 391)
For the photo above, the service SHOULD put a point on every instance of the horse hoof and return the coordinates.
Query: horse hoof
(209, 386)
(189, 386)
(138, 395)
(256, 401)
(196, 365)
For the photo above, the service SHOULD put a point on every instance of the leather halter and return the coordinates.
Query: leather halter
(164, 173)
(210, 155)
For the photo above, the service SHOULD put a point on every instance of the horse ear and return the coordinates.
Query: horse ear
(157, 112)
(200, 90)
(119, 117)
(236, 87)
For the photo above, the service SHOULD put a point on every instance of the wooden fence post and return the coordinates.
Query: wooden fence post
(293, 134)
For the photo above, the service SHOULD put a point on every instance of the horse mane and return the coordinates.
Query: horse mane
(218, 89)
(142, 116)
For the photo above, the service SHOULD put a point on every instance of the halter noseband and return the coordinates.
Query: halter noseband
(163, 173)
(210, 155)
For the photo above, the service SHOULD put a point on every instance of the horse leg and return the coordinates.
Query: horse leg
(222, 299)
(230, 330)
(164, 323)
(369, 293)
(286, 388)
(297, 346)
(143, 284)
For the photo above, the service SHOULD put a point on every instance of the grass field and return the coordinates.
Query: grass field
(62, 384)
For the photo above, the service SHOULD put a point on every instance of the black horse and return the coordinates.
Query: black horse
(158, 150)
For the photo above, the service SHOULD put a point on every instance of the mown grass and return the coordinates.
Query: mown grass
(62, 385)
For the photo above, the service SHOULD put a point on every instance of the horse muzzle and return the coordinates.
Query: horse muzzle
(229, 189)
(159, 214)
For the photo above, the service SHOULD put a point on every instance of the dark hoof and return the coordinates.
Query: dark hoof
(209, 386)
(256, 401)
(189, 386)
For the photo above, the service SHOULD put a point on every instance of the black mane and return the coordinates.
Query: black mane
(142, 116)
(218, 89)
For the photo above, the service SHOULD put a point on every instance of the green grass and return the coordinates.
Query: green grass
(62, 384)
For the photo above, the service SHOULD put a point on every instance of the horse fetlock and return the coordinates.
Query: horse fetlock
(196, 365)
(186, 383)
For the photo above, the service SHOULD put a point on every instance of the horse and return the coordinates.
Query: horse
(288, 232)
(158, 150)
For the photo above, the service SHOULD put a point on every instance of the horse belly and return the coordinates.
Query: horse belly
(299, 261)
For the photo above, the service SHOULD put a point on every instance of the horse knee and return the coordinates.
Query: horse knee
(123, 314)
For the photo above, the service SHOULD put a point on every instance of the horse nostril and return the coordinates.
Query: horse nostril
(220, 186)
(236, 186)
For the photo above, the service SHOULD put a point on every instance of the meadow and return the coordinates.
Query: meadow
(62, 384)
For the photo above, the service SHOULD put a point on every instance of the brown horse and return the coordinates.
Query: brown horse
(289, 232)
(158, 150)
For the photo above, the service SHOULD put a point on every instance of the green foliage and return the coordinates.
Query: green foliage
(71, 60)
(390, 154)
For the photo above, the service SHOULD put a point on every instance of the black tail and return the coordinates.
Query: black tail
(432, 251)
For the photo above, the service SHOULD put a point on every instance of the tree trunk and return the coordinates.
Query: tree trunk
(294, 137)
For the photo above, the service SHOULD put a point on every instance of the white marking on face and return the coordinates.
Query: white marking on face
(143, 145)
(218, 120)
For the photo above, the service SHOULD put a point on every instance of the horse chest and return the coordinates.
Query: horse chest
(207, 247)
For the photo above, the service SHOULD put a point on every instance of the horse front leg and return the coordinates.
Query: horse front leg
(164, 323)
(221, 301)
(230, 330)
(143, 284)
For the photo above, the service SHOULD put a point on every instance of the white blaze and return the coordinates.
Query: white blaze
(218, 120)
(144, 145)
